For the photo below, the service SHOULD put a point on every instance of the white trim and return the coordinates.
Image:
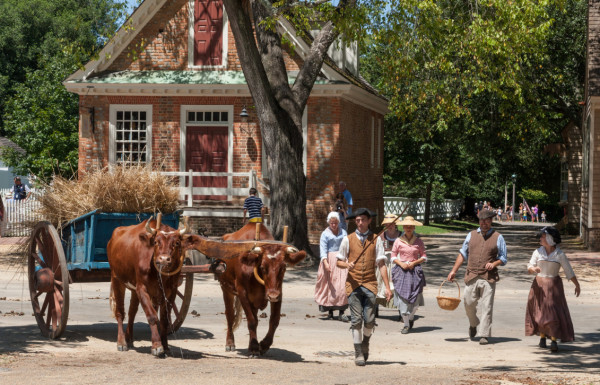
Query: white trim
(124, 36)
(191, 44)
(113, 108)
(305, 139)
(372, 141)
(286, 29)
(183, 134)
(349, 92)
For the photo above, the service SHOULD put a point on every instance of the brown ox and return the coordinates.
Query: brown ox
(147, 259)
(253, 279)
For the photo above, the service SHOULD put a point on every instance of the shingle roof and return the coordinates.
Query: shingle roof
(5, 142)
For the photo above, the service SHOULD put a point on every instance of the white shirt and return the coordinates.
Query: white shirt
(550, 264)
(345, 248)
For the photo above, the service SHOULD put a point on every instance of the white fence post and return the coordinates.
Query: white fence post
(18, 215)
(190, 188)
(446, 209)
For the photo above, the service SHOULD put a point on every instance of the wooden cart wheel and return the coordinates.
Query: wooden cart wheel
(179, 310)
(48, 280)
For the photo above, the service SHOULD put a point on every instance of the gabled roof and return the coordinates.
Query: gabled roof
(7, 143)
(95, 76)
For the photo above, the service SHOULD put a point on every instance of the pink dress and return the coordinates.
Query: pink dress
(330, 290)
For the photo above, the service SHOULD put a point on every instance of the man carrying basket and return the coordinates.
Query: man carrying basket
(484, 250)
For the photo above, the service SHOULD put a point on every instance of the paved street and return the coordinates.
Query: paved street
(308, 348)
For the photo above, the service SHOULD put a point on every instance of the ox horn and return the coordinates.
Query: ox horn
(291, 250)
(256, 250)
(258, 278)
(149, 229)
(186, 226)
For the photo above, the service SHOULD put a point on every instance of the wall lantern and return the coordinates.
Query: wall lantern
(244, 116)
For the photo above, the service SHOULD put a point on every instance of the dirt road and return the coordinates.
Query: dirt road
(309, 349)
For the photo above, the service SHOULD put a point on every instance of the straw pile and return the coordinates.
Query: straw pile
(121, 189)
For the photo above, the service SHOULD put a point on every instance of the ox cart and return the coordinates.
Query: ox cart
(77, 253)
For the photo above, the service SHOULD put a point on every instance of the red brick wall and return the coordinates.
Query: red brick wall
(166, 115)
(339, 143)
(339, 148)
(162, 44)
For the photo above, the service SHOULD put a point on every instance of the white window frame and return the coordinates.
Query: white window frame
(112, 137)
(191, 44)
(265, 165)
(183, 135)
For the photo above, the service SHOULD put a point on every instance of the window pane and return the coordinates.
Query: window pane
(208, 116)
(216, 116)
(191, 116)
(119, 115)
(224, 117)
(131, 135)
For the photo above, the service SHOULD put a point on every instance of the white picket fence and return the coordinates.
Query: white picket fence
(18, 215)
(446, 209)
(245, 180)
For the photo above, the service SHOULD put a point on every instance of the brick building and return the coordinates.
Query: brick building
(168, 89)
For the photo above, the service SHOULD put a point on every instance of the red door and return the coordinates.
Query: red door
(208, 32)
(206, 151)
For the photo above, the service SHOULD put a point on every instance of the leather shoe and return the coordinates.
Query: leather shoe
(472, 331)
(404, 330)
(483, 341)
(554, 347)
(542, 343)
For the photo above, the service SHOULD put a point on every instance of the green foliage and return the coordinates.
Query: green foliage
(42, 118)
(535, 197)
(476, 89)
(41, 43)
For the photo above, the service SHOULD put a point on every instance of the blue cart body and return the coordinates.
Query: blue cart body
(84, 239)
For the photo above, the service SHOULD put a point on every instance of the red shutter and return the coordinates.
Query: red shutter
(208, 32)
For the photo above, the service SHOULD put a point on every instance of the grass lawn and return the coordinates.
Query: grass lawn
(445, 227)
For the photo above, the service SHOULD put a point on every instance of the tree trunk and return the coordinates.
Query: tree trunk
(280, 126)
(427, 203)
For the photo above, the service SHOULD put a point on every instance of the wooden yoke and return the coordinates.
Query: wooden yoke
(285, 231)
(257, 235)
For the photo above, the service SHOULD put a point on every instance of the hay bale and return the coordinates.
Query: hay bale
(134, 189)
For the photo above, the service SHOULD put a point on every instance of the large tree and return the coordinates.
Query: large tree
(477, 88)
(42, 42)
(279, 104)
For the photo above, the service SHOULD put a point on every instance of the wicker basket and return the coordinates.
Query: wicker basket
(448, 303)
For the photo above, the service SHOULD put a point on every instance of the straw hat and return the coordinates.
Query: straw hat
(409, 221)
(389, 218)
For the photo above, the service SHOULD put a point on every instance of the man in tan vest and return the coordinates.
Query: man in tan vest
(361, 252)
(484, 250)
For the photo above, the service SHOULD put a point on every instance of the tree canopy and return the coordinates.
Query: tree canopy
(41, 43)
(476, 89)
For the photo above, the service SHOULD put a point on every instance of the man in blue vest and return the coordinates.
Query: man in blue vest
(20, 191)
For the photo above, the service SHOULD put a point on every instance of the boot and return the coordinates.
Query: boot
(359, 359)
(365, 347)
